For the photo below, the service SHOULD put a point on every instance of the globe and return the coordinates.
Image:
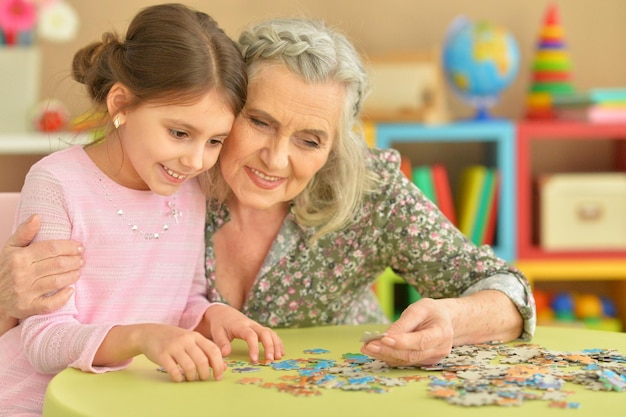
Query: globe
(479, 61)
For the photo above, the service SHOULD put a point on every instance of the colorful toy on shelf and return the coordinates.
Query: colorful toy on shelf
(542, 304)
(563, 306)
(23, 24)
(551, 69)
(588, 306)
(23, 21)
(479, 60)
(584, 309)
(608, 307)
(50, 116)
(608, 105)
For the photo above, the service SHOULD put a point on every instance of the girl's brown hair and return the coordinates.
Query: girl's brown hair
(171, 54)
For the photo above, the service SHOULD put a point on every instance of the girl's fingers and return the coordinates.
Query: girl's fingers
(212, 359)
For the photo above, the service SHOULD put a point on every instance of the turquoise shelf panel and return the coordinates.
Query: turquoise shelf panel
(500, 134)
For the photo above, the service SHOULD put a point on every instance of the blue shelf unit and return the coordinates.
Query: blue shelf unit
(495, 141)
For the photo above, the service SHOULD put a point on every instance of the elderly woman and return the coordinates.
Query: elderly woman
(303, 217)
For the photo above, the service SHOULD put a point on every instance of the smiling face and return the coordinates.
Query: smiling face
(282, 137)
(159, 147)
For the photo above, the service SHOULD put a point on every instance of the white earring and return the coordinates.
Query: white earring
(116, 122)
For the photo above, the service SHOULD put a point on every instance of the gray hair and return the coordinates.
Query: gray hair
(317, 54)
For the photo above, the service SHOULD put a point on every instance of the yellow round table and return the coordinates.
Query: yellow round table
(140, 390)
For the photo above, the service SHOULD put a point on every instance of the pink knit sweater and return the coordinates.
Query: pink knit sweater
(127, 278)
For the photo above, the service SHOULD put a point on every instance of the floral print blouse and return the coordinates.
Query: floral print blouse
(330, 283)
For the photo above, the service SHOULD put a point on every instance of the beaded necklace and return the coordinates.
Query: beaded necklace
(173, 213)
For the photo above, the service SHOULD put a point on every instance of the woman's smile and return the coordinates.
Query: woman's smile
(263, 180)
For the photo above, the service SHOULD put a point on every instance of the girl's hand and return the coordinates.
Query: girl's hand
(223, 324)
(184, 354)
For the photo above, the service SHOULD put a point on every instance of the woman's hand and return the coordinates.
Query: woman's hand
(423, 335)
(35, 278)
(223, 323)
(426, 331)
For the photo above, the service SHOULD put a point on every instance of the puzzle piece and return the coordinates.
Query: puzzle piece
(246, 369)
(369, 336)
(316, 351)
(285, 365)
(250, 381)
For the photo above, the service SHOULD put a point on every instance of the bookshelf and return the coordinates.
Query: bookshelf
(601, 148)
(459, 145)
(456, 146)
(523, 151)
(582, 147)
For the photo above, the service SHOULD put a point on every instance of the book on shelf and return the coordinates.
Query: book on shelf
(406, 167)
(434, 182)
(482, 207)
(594, 114)
(470, 185)
(475, 209)
(423, 179)
(443, 192)
(478, 203)
(608, 114)
(492, 215)
(600, 105)
(607, 95)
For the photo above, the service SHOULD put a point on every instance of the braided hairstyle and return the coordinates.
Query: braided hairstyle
(318, 54)
(171, 54)
(310, 50)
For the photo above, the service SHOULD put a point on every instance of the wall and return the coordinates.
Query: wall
(597, 45)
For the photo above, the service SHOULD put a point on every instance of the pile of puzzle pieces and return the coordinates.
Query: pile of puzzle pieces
(472, 375)
(496, 374)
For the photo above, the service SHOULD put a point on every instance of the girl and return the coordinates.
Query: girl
(172, 89)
